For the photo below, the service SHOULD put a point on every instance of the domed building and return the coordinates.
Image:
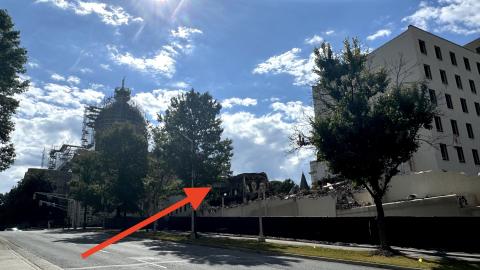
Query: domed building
(120, 109)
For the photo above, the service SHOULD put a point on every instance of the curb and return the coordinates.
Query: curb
(317, 258)
(30, 258)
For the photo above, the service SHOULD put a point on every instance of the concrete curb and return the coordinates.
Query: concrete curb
(318, 258)
(30, 258)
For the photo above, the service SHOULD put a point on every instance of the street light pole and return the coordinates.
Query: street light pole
(193, 234)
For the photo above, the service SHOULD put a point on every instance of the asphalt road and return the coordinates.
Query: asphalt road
(63, 249)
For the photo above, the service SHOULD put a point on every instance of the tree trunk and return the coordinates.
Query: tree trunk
(85, 217)
(382, 234)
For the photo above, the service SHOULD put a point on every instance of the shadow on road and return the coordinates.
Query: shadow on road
(194, 254)
(197, 254)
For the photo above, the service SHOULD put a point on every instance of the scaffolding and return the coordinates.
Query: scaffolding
(88, 127)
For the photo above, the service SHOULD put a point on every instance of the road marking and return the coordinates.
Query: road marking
(151, 263)
(105, 252)
(106, 266)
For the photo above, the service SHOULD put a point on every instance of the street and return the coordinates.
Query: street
(63, 249)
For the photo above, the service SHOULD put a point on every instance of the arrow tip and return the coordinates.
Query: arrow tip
(196, 195)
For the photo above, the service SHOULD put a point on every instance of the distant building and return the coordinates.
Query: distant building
(452, 73)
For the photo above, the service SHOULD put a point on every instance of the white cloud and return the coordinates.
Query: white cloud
(156, 101)
(109, 14)
(380, 33)
(182, 85)
(315, 40)
(163, 61)
(57, 77)
(33, 64)
(73, 79)
(230, 102)
(290, 63)
(105, 66)
(261, 143)
(456, 16)
(50, 114)
(86, 70)
(185, 32)
(329, 32)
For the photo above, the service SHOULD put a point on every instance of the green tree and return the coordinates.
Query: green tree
(12, 61)
(190, 133)
(281, 187)
(368, 126)
(86, 185)
(123, 152)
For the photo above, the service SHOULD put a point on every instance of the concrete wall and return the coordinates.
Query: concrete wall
(323, 206)
(430, 184)
(444, 206)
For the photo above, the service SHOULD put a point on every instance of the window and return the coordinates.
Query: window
(438, 53)
(470, 131)
(478, 67)
(448, 98)
(467, 63)
(454, 127)
(477, 49)
(444, 151)
(428, 72)
(438, 123)
(458, 80)
(461, 157)
(423, 48)
(472, 86)
(464, 105)
(475, 156)
(433, 96)
(453, 58)
(443, 75)
(477, 108)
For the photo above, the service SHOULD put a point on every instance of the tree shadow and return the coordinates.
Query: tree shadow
(202, 254)
(449, 264)
(191, 253)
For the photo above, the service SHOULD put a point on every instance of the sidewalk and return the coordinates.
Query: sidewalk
(409, 252)
(12, 260)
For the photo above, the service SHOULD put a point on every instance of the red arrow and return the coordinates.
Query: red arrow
(195, 197)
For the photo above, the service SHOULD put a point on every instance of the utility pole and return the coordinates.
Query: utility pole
(261, 236)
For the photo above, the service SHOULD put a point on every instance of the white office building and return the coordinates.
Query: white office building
(452, 73)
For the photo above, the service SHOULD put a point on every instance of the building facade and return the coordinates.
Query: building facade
(452, 74)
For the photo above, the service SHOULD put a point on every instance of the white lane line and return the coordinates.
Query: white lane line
(104, 251)
(106, 266)
(150, 263)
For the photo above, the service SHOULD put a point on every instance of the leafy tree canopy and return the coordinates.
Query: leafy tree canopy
(12, 61)
(367, 126)
(190, 137)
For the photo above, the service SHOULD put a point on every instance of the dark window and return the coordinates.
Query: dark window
(443, 76)
(461, 157)
(428, 72)
(478, 67)
(464, 105)
(423, 48)
(470, 131)
(454, 127)
(448, 98)
(438, 53)
(472, 86)
(453, 58)
(433, 96)
(475, 157)
(438, 123)
(467, 63)
(477, 49)
(477, 108)
(458, 80)
(444, 151)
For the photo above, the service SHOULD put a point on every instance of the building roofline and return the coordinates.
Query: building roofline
(415, 27)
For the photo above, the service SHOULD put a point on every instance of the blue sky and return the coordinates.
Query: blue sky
(253, 56)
